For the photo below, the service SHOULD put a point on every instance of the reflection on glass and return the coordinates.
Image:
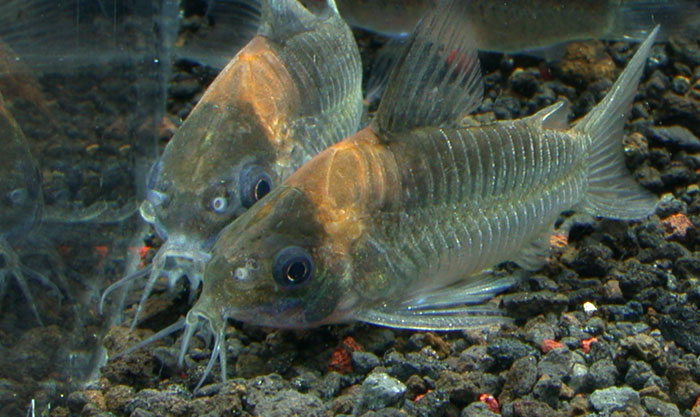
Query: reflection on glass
(82, 85)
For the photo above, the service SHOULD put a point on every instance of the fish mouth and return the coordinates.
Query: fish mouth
(216, 326)
(177, 258)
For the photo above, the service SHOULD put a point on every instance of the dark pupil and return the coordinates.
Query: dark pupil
(296, 271)
(261, 189)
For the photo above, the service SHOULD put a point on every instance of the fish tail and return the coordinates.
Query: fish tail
(634, 18)
(612, 191)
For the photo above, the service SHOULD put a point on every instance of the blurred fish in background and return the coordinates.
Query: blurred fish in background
(511, 26)
(86, 85)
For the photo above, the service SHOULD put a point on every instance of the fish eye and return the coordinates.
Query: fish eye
(18, 195)
(292, 267)
(255, 183)
(219, 204)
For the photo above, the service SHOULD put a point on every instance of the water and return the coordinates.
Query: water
(85, 82)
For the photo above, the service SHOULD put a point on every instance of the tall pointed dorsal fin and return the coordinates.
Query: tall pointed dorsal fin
(437, 80)
(555, 116)
(284, 18)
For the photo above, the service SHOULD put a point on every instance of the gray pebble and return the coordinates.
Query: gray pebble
(399, 367)
(476, 358)
(579, 379)
(556, 363)
(638, 374)
(603, 373)
(379, 390)
(613, 398)
(547, 390)
(520, 379)
(289, 403)
(433, 404)
(478, 409)
(657, 408)
(506, 350)
(364, 362)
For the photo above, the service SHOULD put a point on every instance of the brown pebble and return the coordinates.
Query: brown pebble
(612, 291)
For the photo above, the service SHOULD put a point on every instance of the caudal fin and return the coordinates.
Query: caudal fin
(612, 191)
(676, 17)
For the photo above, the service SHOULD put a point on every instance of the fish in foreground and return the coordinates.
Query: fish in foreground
(292, 91)
(397, 224)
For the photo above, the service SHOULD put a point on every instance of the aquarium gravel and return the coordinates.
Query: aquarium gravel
(610, 326)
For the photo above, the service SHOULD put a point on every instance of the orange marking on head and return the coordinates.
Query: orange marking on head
(348, 183)
(257, 79)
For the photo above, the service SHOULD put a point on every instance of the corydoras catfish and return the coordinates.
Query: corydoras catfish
(292, 91)
(21, 204)
(531, 24)
(396, 224)
(511, 27)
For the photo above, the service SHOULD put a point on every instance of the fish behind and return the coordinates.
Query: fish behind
(531, 24)
(21, 204)
(397, 224)
(292, 91)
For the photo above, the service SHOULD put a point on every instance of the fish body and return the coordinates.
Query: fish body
(532, 24)
(20, 180)
(21, 205)
(398, 224)
(292, 91)
(511, 27)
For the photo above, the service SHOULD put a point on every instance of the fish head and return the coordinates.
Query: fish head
(271, 267)
(20, 179)
(193, 193)
(232, 150)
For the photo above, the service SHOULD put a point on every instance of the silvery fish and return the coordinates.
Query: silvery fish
(396, 224)
(21, 205)
(531, 24)
(527, 25)
(294, 90)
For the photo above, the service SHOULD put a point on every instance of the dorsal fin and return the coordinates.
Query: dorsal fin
(284, 18)
(437, 80)
(555, 116)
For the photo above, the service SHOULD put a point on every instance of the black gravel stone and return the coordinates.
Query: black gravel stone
(556, 363)
(478, 409)
(520, 379)
(603, 373)
(547, 390)
(432, 404)
(674, 137)
(399, 367)
(459, 387)
(506, 350)
(524, 82)
(291, 403)
(631, 311)
(591, 261)
(529, 304)
(364, 362)
(639, 374)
